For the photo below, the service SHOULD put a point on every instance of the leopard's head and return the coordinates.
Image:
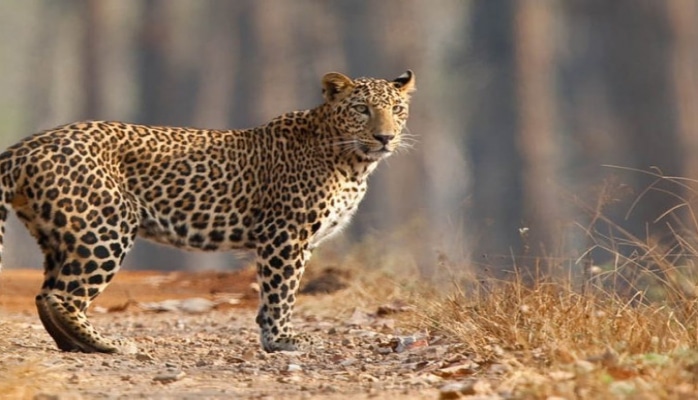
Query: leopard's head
(368, 115)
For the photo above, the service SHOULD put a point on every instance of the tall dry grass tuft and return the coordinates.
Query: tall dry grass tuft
(558, 340)
(642, 298)
(551, 318)
(617, 328)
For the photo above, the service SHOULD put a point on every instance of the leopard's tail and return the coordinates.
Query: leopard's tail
(12, 178)
(3, 218)
(12, 166)
(7, 191)
(4, 208)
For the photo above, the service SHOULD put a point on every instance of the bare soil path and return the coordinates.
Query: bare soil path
(208, 347)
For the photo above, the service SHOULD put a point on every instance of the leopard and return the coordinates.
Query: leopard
(86, 190)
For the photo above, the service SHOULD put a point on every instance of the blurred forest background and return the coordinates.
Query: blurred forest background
(521, 107)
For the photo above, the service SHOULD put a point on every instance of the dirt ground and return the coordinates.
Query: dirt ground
(197, 339)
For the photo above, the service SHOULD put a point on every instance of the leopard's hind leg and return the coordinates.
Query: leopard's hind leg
(83, 251)
(67, 292)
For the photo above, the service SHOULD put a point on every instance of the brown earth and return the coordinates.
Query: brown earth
(19, 286)
(209, 348)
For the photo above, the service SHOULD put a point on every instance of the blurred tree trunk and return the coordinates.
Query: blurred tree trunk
(155, 81)
(539, 149)
(496, 212)
(217, 66)
(438, 189)
(117, 59)
(93, 20)
(242, 114)
(277, 57)
(318, 39)
(637, 70)
(683, 18)
(358, 30)
(39, 91)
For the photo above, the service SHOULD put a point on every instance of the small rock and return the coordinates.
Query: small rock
(450, 391)
(46, 396)
(431, 378)
(359, 318)
(422, 380)
(161, 306)
(169, 376)
(368, 378)
(196, 305)
(454, 390)
(435, 352)
(99, 310)
(561, 375)
(499, 369)
(396, 306)
(348, 362)
(289, 379)
(290, 353)
(478, 386)
(202, 363)
(386, 324)
(362, 333)
(403, 343)
(249, 355)
(623, 389)
(584, 366)
(456, 371)
(294, 368)
(143, 356)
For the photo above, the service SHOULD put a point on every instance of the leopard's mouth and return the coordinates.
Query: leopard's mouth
(375, 154)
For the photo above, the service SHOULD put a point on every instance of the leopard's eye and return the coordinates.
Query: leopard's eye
(362, 108)
(397, 109)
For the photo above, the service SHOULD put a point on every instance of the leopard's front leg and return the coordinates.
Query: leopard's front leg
(280, 265)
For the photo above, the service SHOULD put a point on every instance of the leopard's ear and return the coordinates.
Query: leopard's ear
(405, 82)
(335, 86)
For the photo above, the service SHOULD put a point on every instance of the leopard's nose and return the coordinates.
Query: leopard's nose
(384, 139)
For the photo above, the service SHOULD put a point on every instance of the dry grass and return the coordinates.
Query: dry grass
(627, 328)
(568, 344)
